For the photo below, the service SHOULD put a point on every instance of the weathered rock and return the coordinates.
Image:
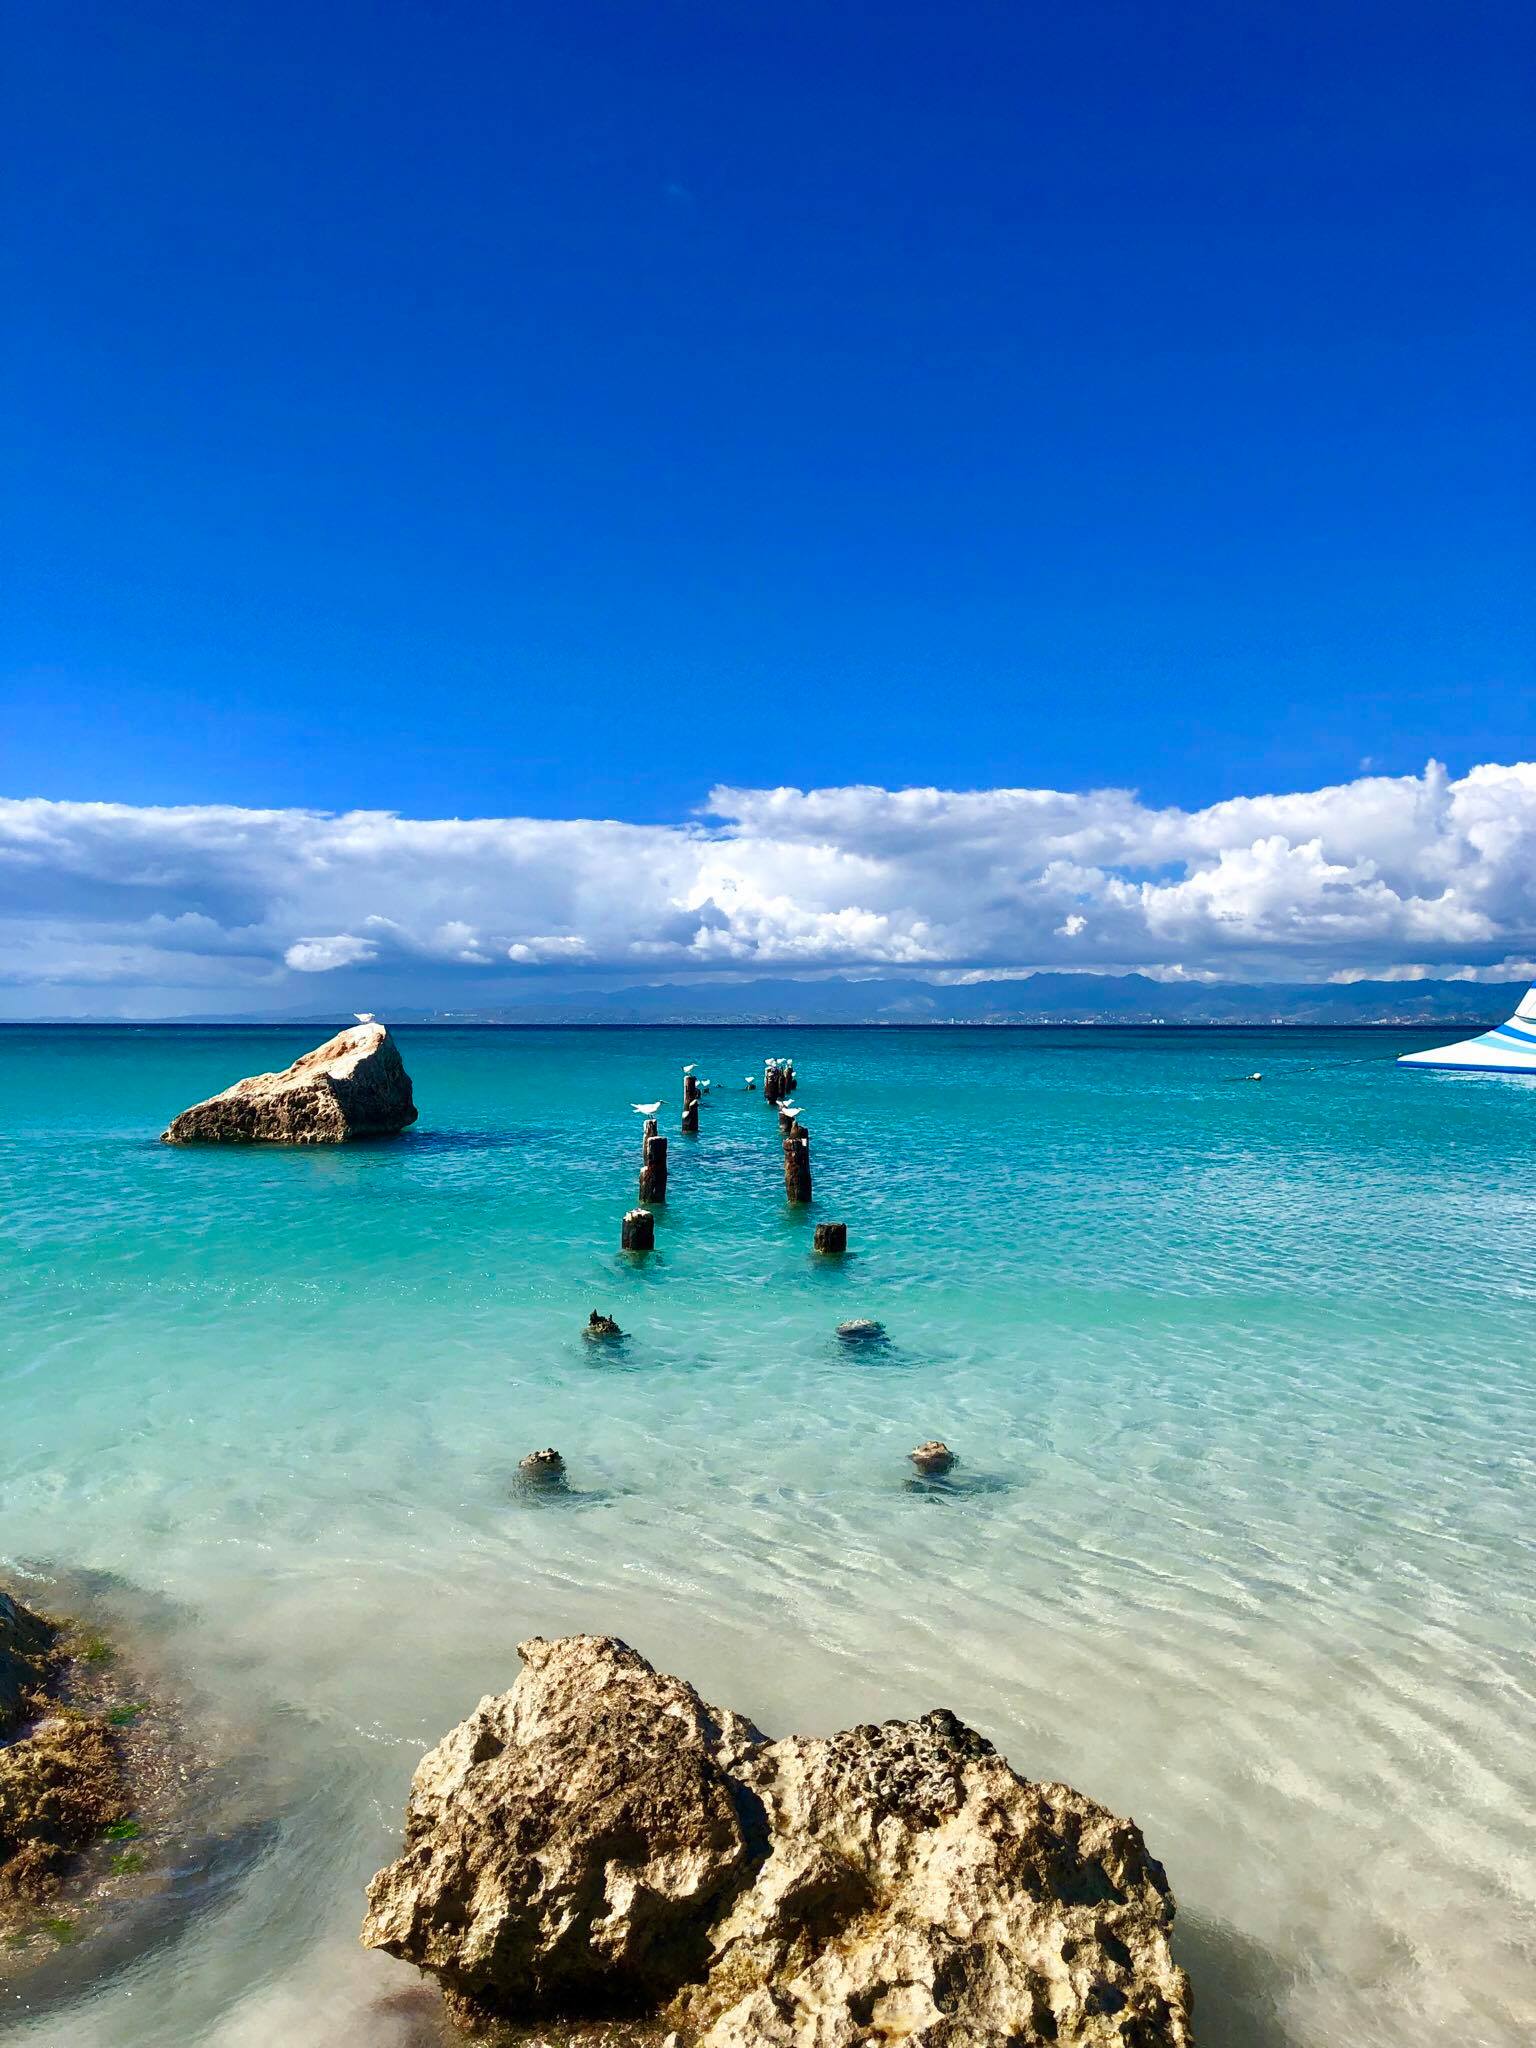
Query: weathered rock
(27, 1657)
(600, 1841)
(568, 1845)
(353, 1086)
(933, 1456)
(545, 1464)
(600, 1326)
(60, 1787)
(861, 1331)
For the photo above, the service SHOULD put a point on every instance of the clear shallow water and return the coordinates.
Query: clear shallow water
(1241, 1375)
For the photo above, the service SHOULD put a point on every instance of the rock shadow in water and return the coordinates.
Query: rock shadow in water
(530, 1490)
(469, 1140)
(1238, 1984)
(957, 1485)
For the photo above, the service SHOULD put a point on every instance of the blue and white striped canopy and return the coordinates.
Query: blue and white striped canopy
(1506, 1049)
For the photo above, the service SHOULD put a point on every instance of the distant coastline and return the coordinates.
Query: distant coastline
(1048, 1002)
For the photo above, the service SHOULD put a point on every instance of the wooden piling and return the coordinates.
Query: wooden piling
(653, 1169)
(831, 1238)
(775, 1086)
(638, 1233)
(797, 1164)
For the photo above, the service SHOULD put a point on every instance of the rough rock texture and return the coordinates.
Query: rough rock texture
(27, 1657)
(600, 1841)
(60, 1787)
(353, 1086)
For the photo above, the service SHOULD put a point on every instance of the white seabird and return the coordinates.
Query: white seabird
(1506, 1049)
(365, 1016)
(645, 1108)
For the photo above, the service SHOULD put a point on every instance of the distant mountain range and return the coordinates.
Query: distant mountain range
(1033, 999)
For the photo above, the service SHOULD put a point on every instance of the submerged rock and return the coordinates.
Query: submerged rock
(933, 1456)
(599, 1841)
(353, 1086)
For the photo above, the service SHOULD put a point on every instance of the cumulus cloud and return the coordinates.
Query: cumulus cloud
(319, 956)
(1385, 874)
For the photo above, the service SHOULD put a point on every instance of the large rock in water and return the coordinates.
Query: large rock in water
(353, 1086)
(599, 1841)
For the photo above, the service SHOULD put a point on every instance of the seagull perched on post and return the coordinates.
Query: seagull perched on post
(365, 1016)
(690, 1066)
(789, 1109)
(645, 1108)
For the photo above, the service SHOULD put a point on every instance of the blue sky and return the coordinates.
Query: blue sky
(557, 410)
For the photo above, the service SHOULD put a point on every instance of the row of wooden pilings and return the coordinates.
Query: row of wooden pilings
(638, 1233)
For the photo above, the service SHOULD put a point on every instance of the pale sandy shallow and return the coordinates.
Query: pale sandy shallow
(1247, 1551)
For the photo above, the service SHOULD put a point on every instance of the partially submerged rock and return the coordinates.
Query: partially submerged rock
(61, 1787)
(28, 1655)
(600, 1842)
(861, 1331)
(600, 1326)
(933, 1457)
(353, 1086)
(545, 1464)
(61, 1782)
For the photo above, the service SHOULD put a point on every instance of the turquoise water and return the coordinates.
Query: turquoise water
(1241, 1376)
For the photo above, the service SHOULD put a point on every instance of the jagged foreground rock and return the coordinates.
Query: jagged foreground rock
(599, 1840)
(353, 1086)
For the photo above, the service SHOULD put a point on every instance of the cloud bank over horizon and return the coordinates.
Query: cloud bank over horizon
(116, 909)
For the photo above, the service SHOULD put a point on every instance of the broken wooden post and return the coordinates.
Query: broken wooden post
(831, 1238)
(653, 1167)
(638, 1233)
(690, 1123)
(775, 1088)
(797, 1164)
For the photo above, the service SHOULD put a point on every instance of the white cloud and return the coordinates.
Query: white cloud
(319, 956)
(187, 908)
